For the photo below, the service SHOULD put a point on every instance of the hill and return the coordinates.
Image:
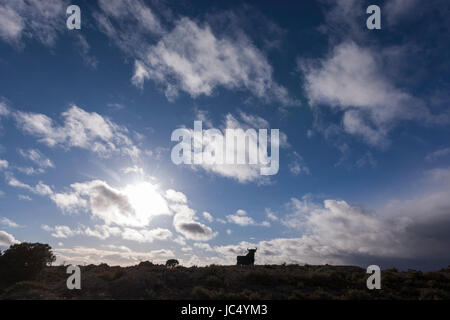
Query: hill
(148, 281)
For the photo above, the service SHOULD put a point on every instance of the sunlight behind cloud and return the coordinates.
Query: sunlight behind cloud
(145, 200)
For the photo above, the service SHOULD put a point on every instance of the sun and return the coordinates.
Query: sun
(146, 201)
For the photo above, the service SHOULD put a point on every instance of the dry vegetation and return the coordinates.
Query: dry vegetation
(148, 281)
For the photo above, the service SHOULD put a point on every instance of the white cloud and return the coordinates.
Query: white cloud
(13, 182)
(35, 19)
(37, 157)
(190, 57)
(271, 215)
(199, 62)
(11, 24)
(3, 164)
(243, 173)
(133, 169)
(350, 80)
(140, 74)
(297, 165)
(121, 248)
(83, 255)
(146, 236)
(208, 216)
(24, 197)
(6, 222)
(175, 196)
(203, 246)
(41, 188)
(85, 48)
(403, 232)
(242, 219)
(180, 240)
(30, 170)
(103, 232)
(80, 129)
(185, 223)
(133, 205)
(7, 239)
(69, 202)
(98, 231)
(4, 110)
(63, 232)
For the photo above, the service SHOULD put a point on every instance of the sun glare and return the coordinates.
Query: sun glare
(146, 201)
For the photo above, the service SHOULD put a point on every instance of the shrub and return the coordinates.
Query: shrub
(25, 261)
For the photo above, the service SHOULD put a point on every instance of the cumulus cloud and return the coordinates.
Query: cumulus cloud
(133, 205)
(197, 61)
(82, 129)
(146, 236)
(104, 232)
(7, 222)
(185, 222)
(175, 196)
(190, 57)
(349, 80)
(243, 173)
(7, 239)
(203, 246)
(241, 218)
(366, 80)
(61, 231)
(404, 233)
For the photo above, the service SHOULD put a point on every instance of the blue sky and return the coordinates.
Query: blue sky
(86, 118)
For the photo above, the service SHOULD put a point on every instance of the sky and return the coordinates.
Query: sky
(87, 116)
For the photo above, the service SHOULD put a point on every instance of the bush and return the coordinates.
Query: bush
(23, 262)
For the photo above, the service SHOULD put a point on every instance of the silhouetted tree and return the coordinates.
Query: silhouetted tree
(25, 261)
(172, 263)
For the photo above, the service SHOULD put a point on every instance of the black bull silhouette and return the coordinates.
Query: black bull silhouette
(248, 259)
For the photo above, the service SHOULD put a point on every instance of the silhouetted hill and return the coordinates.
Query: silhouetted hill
(148, 281)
